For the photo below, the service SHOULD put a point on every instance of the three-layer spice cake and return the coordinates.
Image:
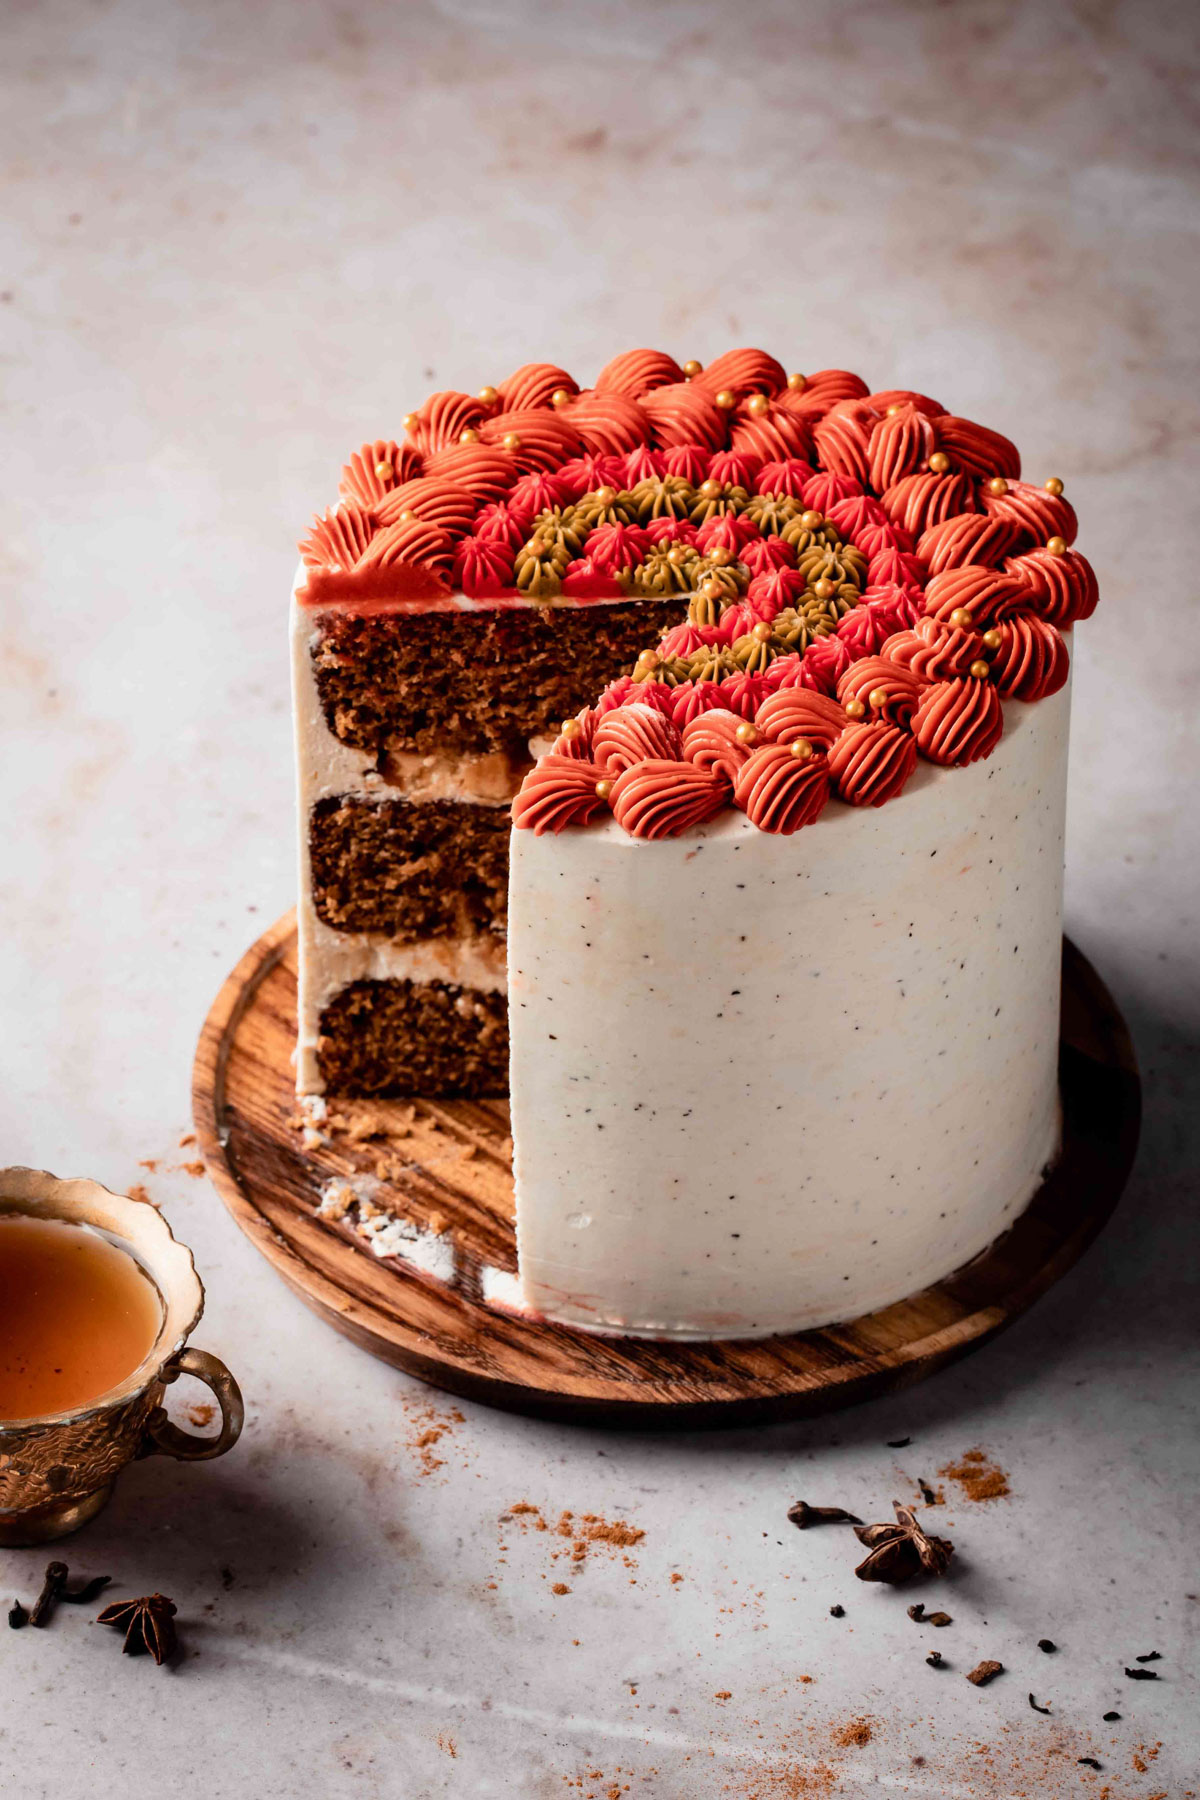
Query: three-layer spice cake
(762, 1076)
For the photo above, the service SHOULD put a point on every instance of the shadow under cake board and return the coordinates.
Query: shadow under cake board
(246, 1119)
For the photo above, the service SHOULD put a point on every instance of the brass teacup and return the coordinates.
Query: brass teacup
(57, 1472)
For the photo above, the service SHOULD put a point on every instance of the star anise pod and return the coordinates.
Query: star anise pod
(902, 1550)
(804, 1515)
(146, 1624)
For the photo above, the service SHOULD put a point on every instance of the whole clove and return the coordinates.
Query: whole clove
(1048, 1645)
(985, 1672)
(1142, 1674)
(927, 1493)
(936, 1660)
(1036, 1707)
(1150, 1656)
(899, 1443)
(54, 1589)
(17, 1616)
(837, 1612)
(1110, 1716)
(1089, 1762)
(81, 1596)
(803, 1515)
(52, 1586)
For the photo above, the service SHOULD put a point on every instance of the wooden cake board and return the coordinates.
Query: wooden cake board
(445, 1167)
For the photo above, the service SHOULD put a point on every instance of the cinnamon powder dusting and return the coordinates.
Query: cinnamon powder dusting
(789, 1781)
(428, 1428)
(581, 1533)
(854, 1734)
(977, 1476)
(595, 1784)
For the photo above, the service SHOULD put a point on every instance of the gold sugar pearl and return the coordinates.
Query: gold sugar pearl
(606, 495)
(992, 640)
(692, 367)
(571, 729)
(603, 789)
(405, 516)
(761, 633)
(812, 521)
(757, 404)
(711, 590)
(410, 421)
(677, 555)
(980, 670)
(560, 398)
(854, 709)
(511, 441)
(878, 698)
(1053, 486)
(824, 588)
(710, 490)
(939, 462)
(961, 619)
(1057, 546)
(469, 436)
(488, 395)
(383, 470)
(997, 485)
(746, 733)
(801, 749)
(720, 555)
(797, 383)
(648, 659)
(725, 400)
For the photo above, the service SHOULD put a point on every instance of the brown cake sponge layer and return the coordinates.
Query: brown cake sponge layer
(405, 1037)
(475, 681)
(429, 869)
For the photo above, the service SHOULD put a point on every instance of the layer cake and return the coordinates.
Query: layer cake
(762, 1077)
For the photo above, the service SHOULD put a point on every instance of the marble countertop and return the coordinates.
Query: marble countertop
(236, 242)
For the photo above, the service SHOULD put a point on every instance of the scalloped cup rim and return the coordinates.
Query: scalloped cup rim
(171, 1264)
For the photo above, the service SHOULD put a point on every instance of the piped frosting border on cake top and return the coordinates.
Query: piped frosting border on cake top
(863, 577)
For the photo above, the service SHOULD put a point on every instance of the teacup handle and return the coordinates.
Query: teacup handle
(166, 1439)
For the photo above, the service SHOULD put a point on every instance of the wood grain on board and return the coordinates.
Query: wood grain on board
(446, 1166)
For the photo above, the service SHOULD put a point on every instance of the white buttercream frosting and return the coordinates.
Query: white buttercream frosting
(764, 1083)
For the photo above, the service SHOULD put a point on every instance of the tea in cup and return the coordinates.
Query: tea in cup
(97, 1301)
